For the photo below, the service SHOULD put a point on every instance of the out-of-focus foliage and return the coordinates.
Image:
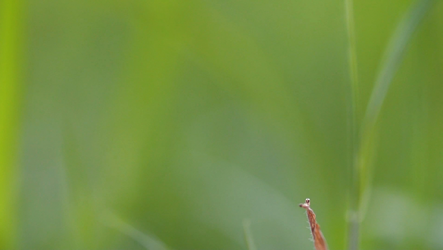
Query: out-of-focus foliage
(11, 37)
(166, 124)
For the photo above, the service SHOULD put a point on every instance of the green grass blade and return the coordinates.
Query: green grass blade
(361, 142)
(353, 226)
(248, 234)
(393, 58)
(149, 242)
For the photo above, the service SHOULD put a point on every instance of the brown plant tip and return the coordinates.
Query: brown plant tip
(319, 239)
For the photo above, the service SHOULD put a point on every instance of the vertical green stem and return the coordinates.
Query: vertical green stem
(362, 138)
(393, 58)
(353, 226)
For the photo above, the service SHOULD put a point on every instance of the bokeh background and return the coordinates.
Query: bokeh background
(169, 124)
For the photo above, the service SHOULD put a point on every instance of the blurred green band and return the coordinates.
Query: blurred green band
(11, 37)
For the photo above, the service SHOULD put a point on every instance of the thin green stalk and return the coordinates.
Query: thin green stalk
(353, 221)
(393, 58)
(362, 143)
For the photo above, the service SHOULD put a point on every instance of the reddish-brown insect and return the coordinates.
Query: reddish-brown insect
(319, 240)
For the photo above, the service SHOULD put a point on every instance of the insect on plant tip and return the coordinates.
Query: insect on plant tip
(319, 239)
(306, 204)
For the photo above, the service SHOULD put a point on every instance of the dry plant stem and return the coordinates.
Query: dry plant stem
(319, 239)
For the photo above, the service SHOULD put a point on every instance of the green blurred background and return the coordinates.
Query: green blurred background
(168, 124)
